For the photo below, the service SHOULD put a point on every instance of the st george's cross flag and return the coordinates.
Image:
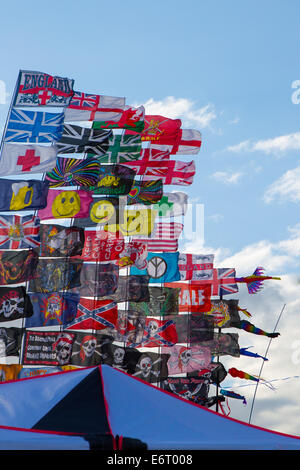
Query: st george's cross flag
(195, 267)
(34, 127)
(17, 232)
(160, 129)
(41, 89)
(122, 148)
(222, 282)
(95, 314)
(169, 171)
(89, 107)
(17, 159)
(187, 142)
(77, 139)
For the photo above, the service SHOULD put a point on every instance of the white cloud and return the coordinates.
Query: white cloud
(226, 177)
(181, 108)
(286, 188)
(277, 145)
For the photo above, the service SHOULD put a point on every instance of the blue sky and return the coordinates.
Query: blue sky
(226, 69)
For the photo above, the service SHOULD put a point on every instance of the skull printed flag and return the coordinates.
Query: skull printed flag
(95, 314)
(52, 309)
(131, 288)
(161, 267)
(10, 341)
(157, 333)
(41, 89)
(55, 275)
(193, 297)
(195, 267)
(73, 172)
(17, 266)
(77, 139)
(170, 172)
(89, 107)
(145, 192)
(129, 118)
(185, 359)
(61, 241)
(23, 195)
(152, 367)
(160, 129)
(89, 349)
(18, 232)
(187, 142)
(113, 180)
(163, 301)
(122, 148)
(98, 280)
(14, 304)
(52, 348)
(121, 358)
(66, 204)
(191, 388)
(18, 159)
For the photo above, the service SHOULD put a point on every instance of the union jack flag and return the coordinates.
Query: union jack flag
(19, 232)
(34, 126)
(223, 281)
(95, 314)
(77, 139)
(92, 102)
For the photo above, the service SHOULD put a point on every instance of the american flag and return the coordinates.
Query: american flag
(77, 139)
(222, 283)
(34, 126)
(19, 232)
(160, 245)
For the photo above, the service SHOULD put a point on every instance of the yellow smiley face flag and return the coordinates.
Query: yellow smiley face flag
(66, 204)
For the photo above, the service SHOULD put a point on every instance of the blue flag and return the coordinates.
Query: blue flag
(52, 309)
(34, 126)
(16, 195)
(161, 267)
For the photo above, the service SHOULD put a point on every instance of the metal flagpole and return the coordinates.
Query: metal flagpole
(252, 406)
(9, 111)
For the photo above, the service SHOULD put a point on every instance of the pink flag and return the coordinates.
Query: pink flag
(66, 204)
(185, 359)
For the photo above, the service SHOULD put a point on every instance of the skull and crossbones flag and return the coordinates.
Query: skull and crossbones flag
(185, 359)
(14, 304)
(152, 367)
(191, 388)
(51, 348)
(122, 358)
(52, 309)
(17, 266)
(60, 241)
(89, 349)
(155, 333)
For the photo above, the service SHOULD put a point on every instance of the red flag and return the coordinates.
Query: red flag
(161, 129)
(95, 314)
(188, 142)
(193, 297)
(169, 171)
(98, 248)
(157, 333)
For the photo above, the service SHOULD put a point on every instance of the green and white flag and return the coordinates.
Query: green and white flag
(122, 148)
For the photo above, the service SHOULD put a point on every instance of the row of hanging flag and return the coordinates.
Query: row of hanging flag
(113, 187)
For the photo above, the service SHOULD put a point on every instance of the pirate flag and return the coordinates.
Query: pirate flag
(152, 367)
(191, 388)
(121, 358)
(89, 349)
(52, 309)
(14, 303)
(185, 359)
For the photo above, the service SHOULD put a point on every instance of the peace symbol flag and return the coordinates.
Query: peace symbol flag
(161, 267)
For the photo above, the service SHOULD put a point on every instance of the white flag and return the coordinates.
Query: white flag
(19, 159)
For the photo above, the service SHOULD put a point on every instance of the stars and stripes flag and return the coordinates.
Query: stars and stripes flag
(89, 107)
(169, 171)
(223, 281)
(188, 142)
(122, 148)
(41, 89)
(95, 315)
(165, 231)
(34, 126)
(77, 139)
(19, 232)
(17, 159)
(170, 245)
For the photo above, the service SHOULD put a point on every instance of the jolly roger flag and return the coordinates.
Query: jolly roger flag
(163, 301)
(10, 341)
(95, 314)
(89, 349)
(17, 232)
(73, 172)
(17, 266)
(18, 159)
(114, 180)
(77, 139)
(41, 89)
(52, 309)
(60, 241)
(185, 359)
(152, 367)
(121, 358)
(14, 304)
(145, 192)
(157, 333)
(161, 267)
(56, 275)
(52, 348)
(195, 267)
(193, 297)
(122, 148)
(98, 280)
(34, 127)
(131, 288)
(23, 195)
(66, 204)
(191, 388)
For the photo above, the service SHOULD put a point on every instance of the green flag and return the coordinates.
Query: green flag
(122, 148)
